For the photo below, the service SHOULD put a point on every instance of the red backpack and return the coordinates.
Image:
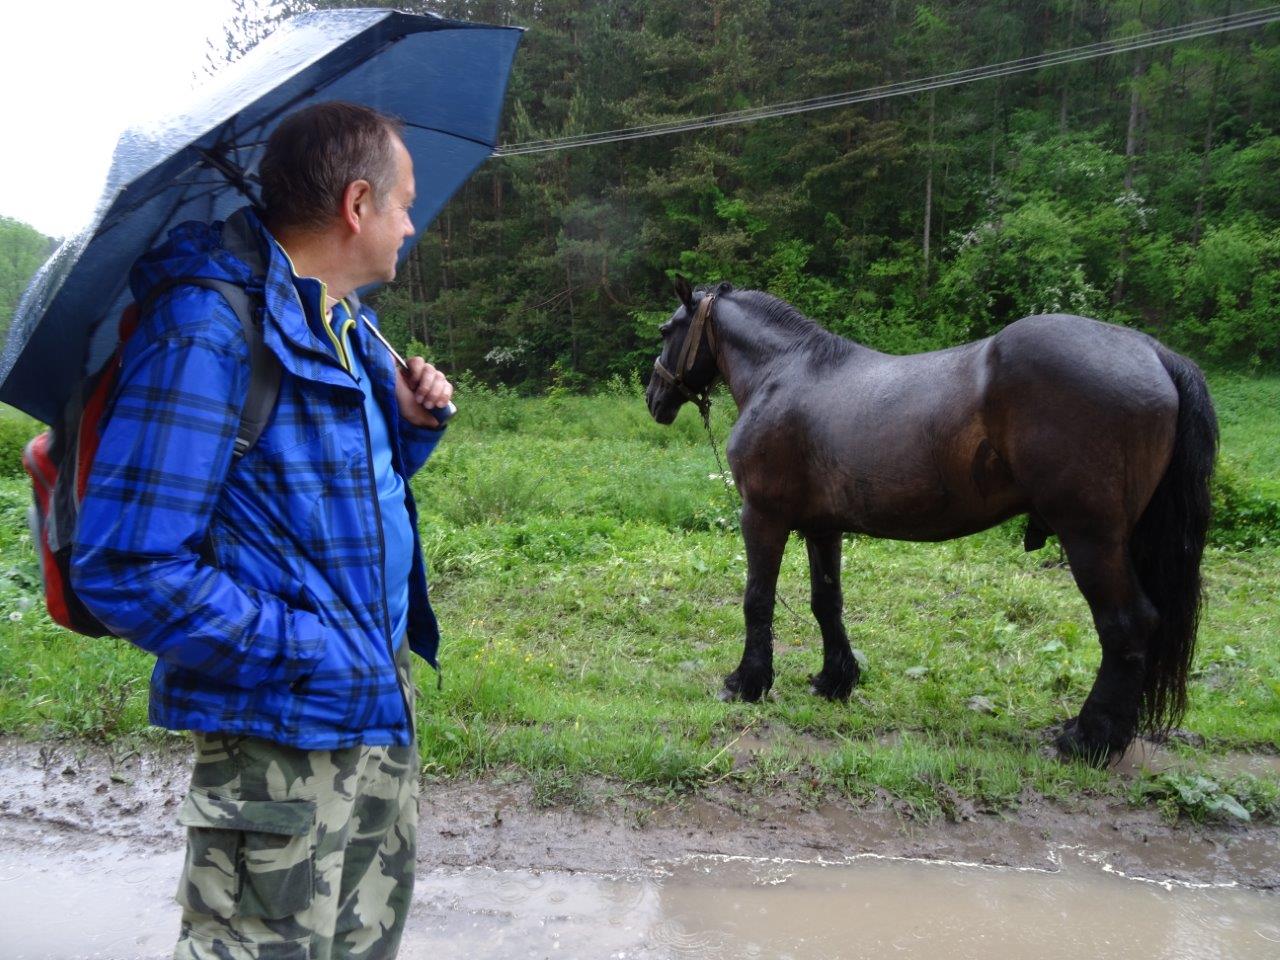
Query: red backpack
(60, 459)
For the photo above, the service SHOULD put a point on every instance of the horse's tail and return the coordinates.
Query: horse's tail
(1168, 542)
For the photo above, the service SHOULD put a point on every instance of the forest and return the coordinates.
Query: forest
(1139, 189)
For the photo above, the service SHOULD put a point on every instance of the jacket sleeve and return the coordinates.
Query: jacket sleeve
(417, 444)
(163, 458)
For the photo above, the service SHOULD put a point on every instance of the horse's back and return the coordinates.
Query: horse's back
(1080, 360)
(877, 444)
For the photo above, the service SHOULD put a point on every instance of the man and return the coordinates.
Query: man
(280, 591)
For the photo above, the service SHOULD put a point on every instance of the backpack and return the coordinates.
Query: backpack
(60, 459)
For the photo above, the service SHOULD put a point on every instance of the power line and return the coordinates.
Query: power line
(1189, 31)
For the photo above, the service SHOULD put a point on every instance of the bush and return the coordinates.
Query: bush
(1031, 259)
(1241, 517)
(1233, 293)
(496, 408)
(15, 430)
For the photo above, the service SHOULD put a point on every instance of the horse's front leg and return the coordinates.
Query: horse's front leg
(839, 669)
(766, 539)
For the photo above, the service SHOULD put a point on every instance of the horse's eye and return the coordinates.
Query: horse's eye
(665, 328)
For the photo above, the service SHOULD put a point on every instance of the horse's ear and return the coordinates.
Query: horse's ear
(684, 291)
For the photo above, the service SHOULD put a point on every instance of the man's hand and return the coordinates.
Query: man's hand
(420, 389)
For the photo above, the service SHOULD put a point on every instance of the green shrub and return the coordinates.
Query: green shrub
(483, 407)
(1242, 517)
(1198, 797)
(1232, 290)
(15, 430)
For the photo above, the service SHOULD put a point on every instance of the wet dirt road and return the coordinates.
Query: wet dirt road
(89, 859)
(114, 902)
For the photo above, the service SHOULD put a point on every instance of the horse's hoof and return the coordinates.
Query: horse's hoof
(750, 688)
(732, 688)
(840, 689)
(726, 695)
(1074, 744)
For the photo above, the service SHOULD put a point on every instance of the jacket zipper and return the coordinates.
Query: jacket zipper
(382, 556)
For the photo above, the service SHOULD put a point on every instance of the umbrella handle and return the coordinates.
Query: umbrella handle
(442, 414)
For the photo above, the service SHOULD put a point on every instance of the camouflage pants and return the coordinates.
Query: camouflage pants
(295, 854)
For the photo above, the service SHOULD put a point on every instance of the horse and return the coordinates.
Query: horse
(1098, 433)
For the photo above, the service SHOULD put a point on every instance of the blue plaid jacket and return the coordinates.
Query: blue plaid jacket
(286, 636)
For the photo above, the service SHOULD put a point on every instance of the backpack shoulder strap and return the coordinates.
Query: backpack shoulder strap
(264, 366)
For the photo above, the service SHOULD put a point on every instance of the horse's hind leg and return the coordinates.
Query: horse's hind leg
(1125, 620)
(839, 669)
(766, 539)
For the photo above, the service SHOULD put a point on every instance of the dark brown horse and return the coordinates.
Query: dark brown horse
(1098, 433)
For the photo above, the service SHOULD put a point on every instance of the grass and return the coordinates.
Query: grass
(1246, 408)
(588, 574)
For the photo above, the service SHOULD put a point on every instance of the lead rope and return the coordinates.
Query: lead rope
(704, 408)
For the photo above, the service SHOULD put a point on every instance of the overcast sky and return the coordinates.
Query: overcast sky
(73, 75)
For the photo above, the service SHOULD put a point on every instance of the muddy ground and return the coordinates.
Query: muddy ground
(67, 796)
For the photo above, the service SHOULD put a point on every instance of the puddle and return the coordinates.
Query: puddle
(1145, 755)
(111, 902)
(755, 741)
(906, 909)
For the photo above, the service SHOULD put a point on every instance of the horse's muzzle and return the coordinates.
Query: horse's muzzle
(658, 397)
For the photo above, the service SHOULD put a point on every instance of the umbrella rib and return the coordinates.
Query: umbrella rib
(185, 198)
(155, 234)
(124, 214)
(235, 176)
(450, 133)
(137, 204)
(213, 187)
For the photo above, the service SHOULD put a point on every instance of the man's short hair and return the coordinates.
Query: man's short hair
(315, 153)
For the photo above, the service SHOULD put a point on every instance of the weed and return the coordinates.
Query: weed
(559, 788)
(1199, 797)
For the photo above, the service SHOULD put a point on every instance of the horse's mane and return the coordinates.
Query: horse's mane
(824, 348)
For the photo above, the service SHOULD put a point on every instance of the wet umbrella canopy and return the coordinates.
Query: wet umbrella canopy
(444, 78)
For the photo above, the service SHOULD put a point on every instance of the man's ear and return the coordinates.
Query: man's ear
(357, 200)
(684, 291)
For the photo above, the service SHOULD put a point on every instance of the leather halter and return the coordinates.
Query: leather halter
(689, 355)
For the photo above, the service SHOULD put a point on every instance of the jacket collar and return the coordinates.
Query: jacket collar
(285, 329)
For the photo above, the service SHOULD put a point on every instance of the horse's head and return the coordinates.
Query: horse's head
(686, 367)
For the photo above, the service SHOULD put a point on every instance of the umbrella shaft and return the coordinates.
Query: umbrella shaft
(400, 362)
(441, 413)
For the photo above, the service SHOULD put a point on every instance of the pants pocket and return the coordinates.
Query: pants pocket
(247, 858)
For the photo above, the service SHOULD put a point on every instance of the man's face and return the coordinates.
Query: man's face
(387, 224)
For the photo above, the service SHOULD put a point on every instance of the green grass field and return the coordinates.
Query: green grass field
(588, 576)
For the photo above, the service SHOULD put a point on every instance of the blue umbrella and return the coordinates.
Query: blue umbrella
(445, 79)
